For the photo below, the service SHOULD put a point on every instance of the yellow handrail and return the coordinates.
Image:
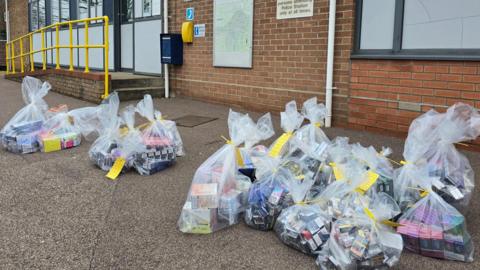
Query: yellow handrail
(10, 48)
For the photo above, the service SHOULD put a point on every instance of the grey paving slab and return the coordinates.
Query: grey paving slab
(57, 211)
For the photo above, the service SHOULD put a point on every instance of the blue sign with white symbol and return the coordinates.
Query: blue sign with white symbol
(190, 14)
(199, 30)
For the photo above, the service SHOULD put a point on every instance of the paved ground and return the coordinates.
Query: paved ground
(57, 211)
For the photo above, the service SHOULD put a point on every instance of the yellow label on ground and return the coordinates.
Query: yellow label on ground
(372, 177)
(336, 171)
(116, 168)
(51, 144)
(278, 146)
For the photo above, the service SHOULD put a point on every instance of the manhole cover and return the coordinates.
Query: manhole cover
(193, 120)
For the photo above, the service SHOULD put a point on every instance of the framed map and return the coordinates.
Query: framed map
(232, 33)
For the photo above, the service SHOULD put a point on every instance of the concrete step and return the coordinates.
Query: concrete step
(136, 93)
(137, 82)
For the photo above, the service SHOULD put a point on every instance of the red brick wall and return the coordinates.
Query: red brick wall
(289, 59)
(386, 95)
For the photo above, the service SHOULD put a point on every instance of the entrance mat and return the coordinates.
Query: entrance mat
(193, 120)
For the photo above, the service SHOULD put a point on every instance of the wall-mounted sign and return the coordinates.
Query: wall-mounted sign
(190, 14)
(199, 30)
(288, 9)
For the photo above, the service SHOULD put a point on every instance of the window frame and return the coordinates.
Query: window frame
(397, 52)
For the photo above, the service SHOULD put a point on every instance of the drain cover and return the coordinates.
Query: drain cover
(193, 120)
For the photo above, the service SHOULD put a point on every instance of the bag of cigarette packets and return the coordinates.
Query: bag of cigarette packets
(290, 120)
(284, 185)
(421, 138)
(255, 157)
(311, 135)
(19, 134)
(433, 228)
(430, 153)
(161, 140)
(129, 144)
(303, 227)
(64, 129)
(363, 239)
(105, 149)
(378, 165)
(218, 193)
(456, 177)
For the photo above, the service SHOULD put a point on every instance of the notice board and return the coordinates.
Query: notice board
(232, 33)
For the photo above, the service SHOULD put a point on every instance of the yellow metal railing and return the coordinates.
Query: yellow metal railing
(11, 56)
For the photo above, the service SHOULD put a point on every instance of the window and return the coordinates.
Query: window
(96, 8)
(37, 14)
(55, 11)
(60, 10)
(64, 10)
(82, 9)
(127, 10)
(441, 24)
(147, 8)
(417, 29)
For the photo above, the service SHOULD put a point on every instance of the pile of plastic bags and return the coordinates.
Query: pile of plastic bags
(342, 203)
(119, 144)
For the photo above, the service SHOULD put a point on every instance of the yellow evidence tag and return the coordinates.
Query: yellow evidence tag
(116, 168)
(372, 177)
(336, 171)
(239, 158)
(281, 141)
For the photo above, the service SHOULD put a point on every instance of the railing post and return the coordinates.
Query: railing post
(57, 48)
(22, 68)
(71, 46)
(32, 63)
(13, 58)
(7, 64)
(106, 49)
(86, 48)
(44, 53)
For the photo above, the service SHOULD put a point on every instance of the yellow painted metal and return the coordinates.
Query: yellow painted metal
(86, 48)
(13, 58)
(106, 43)
(7, 63)
(71, 48)
(22, 68)
(10, 48)
(32, 64)
(57, 44)
(44, 52)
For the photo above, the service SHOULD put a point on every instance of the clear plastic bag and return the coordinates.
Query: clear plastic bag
(456, 176)
(218, 194)
(311, 137)
(255, 157)
(435, 229)
(421, 137)
(278, 189)
(376, 162)
(19, 134)
(291, 120)
(362, 240)
(64, 129)
(131, 142)
(104, 150)
(161, 140)
(303, 227)
(430, 153)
